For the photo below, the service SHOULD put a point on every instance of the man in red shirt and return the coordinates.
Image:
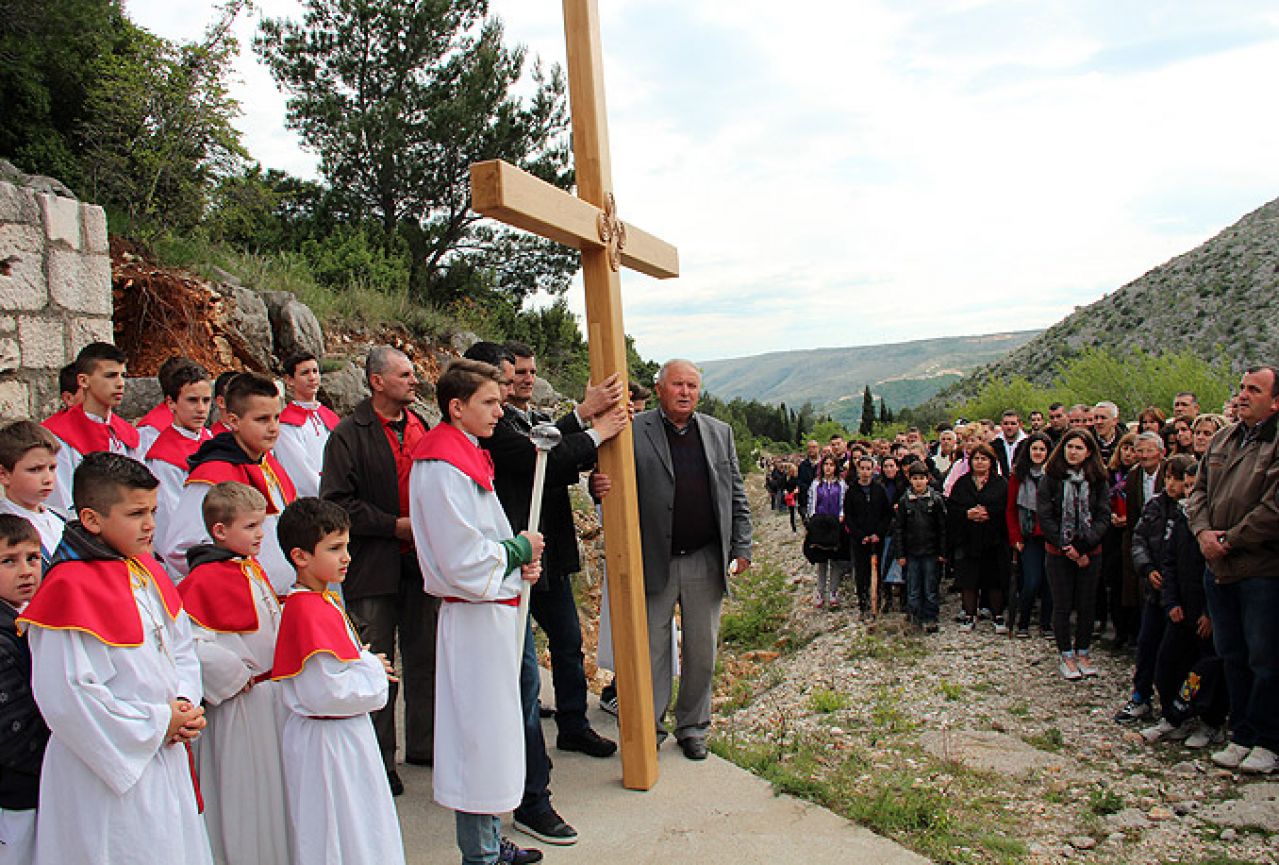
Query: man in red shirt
(366, 471)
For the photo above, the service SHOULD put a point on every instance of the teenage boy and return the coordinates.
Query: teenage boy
(117, 679)
(219, 401)
(188, 395)
(339, 804)
(304, 425)
(29, 474)
(919, 537)
(92, 425)
(69, 392)
(23, 733)
(243, 455)
(160, 417)
(474, 562)
(235, 618)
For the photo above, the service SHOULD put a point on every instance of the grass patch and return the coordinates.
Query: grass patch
(1218, 859)
(1103, 801)
(886, 713)
(825, 701)
(1048, 740)
(1019, 710)
(952, 691)
(904, 650)
(740, 694)
(758, 609)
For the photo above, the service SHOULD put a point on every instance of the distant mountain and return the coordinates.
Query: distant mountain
(1219, 298)
(904, 373)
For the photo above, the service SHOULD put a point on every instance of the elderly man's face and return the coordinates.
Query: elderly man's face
(947, 442)
(1149, 455)
(1256, 400)
(813, 450)
(1103, 423)
(1080, 417)
(678, 392)
(397, 382)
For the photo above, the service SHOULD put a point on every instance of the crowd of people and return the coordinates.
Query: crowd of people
(199, 622)
(1164, 530)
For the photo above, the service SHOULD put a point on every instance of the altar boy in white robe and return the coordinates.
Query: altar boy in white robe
(339, 802)
(305, 424)
(116, 676)
(235, 618)
(472, 561)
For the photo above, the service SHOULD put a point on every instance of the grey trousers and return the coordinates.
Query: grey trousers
(413, 614)
(696, 584)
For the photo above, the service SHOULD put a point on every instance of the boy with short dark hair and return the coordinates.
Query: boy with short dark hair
(23, 733)
(160, 417)
(305, 424)
(187, 398)
(117, 679)
(29, 475)
(235, 619)
(69, 392)
(220, 385)
(243, 454)
(339, 801)
(919, 537)
(92, 425)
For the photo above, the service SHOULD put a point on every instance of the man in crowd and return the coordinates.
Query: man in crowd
(1080, 416)
(1105, 428)
(809, 468)
(696, 533)
(1037, 422)
(1185, 406)
(1011, 435)
(839, 450)
(1058, 422)
(366, 466)
(1234, 514)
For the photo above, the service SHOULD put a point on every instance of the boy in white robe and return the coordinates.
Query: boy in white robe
(235, 618)
(471, 560)
(91, 425)
(305, 425)
(338, 797)
(29, 474)
(188, 396)
(117, 679)
(242, 454)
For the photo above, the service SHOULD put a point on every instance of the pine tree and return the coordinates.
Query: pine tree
(868, 413)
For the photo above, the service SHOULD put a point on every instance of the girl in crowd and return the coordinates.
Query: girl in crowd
(1206, 426)
(1151, 420)
(890, 475)
(1118, 580)
(978, 537)
(826, 545)
(1181, 438)
(1025, 534)
(1073, 503)
(790, 494)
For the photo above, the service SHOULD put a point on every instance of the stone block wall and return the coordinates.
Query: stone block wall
(55, 293)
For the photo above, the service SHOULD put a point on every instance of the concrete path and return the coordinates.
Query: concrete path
(704, 813)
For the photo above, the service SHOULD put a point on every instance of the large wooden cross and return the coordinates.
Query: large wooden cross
(589, 222)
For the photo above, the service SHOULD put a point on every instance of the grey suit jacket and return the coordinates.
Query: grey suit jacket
(655, 480)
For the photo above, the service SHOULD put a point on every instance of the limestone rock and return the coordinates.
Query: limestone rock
(544, 395)
(985, 751)
(34, 182)
(1257, 806)
(462, 340)
(140, 396)
(249, 318)
(294, 327)
(344, 389)
(1083, 842)
(1128, 818)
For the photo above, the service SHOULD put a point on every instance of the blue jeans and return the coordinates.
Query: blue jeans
(1034, 584)
(478, 837)
(1244, 633)
(555, 612)
(923, 581)
(537, 766)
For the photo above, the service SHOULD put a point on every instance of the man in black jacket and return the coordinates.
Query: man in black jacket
(809, 469)
(868, 517)
(366, 471)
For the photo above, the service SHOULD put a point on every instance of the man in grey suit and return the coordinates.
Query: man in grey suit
(695, 526)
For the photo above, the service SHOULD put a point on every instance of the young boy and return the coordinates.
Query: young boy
(69, 392)
(29, 474)
(92, 425)
(117, 679)
(160, 417)
(235, 618)
(338, 798)
(470, 560)
(243, 455)
(188, 395)
(919, 537)
(219, 401)
(23, 733)
(304, 425)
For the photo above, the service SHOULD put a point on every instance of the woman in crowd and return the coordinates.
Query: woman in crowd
(978, 537)
(1206, 426)
(1181, 437)
(1073, 503)
(790, 493)
(826, 544)
(1151, 420)
(1118, 586)
(890, 475)
(1024, 533)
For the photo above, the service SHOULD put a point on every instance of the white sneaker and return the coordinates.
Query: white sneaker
(1231, 756)
(1205, 736)
(1157, 732)
(1185, 730)
(1260, 760)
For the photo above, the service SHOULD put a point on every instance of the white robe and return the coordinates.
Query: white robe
(68, 460)
(146, 437)
(341, 806)
(241, 770)
(112, 792)
(479, 731)
(185, 528)
(300, 449)
(47, 523)
(172, 478)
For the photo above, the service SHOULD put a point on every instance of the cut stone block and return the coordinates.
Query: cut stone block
(22, 283)
(10, 356)
(15, 400)
(80, 283)
(43, 341)
(61, 219)
(18, 205)
(94, 220)
(87, 330)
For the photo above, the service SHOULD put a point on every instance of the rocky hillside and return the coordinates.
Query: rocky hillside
(1219, 298)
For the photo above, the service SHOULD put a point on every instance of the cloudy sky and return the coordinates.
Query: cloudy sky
(850, 172)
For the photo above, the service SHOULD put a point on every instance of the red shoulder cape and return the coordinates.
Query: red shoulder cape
(313, 622)
(218, 428)
(174, 448)
(252, 474)
(219, 596)
(448, 443)
(296, 415)
(160, 417)
(95, 597)
(87, 436)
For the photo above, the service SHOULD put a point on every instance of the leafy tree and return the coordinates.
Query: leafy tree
(868, 413)
(398, 98)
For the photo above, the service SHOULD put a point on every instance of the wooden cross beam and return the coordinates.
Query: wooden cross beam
(589, 222)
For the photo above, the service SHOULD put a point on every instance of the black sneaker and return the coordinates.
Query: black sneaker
(586, 742)
(393, 779)
(608, 699)
(1134, 710)
(545, 825)
(509, 851)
